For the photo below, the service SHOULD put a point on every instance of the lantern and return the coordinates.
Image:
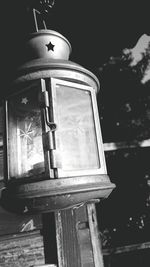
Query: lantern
(54, 155)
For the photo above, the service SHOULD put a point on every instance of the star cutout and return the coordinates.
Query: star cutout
(50, 46)
(24, 100)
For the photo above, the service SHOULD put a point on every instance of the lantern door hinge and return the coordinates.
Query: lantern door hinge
(56, 162)
(49, 145)
(44, 99)
(45, 105)
(48, 141)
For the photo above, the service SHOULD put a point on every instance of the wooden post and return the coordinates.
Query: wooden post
(76, 242)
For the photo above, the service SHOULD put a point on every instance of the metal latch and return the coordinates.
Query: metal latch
(44, 103)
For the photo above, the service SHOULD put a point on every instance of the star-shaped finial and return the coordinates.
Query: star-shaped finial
(50, 46)
(24, 100)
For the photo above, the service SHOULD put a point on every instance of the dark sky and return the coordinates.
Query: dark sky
(96, 29)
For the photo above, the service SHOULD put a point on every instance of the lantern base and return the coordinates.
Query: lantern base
(58, 194)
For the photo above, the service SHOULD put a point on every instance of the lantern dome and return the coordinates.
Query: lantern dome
(47, 44)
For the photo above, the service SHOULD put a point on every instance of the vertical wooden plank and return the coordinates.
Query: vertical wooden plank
(97, 250)
(67, 240)
(59, 238)
(78, 244)
(84, 237)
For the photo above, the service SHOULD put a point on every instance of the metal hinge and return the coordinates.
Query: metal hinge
(48, 141)
(44, 103)
(56, 162)
(49, 145)
(49, 136)
(44, 99)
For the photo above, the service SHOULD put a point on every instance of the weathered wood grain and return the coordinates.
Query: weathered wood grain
(22, 250)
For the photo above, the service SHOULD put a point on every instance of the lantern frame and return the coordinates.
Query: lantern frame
(102, 169)
(53, 159)
(53, 191)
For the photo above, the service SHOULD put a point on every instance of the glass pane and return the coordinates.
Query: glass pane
(26, 157)
(76, 133)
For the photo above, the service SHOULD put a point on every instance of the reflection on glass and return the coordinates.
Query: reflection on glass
(76, 136)
(26, 156)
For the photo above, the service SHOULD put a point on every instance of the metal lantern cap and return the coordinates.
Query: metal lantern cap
(47, 44)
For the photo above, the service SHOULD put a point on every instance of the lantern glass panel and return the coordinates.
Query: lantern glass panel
(76, 134)
(26, 156)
